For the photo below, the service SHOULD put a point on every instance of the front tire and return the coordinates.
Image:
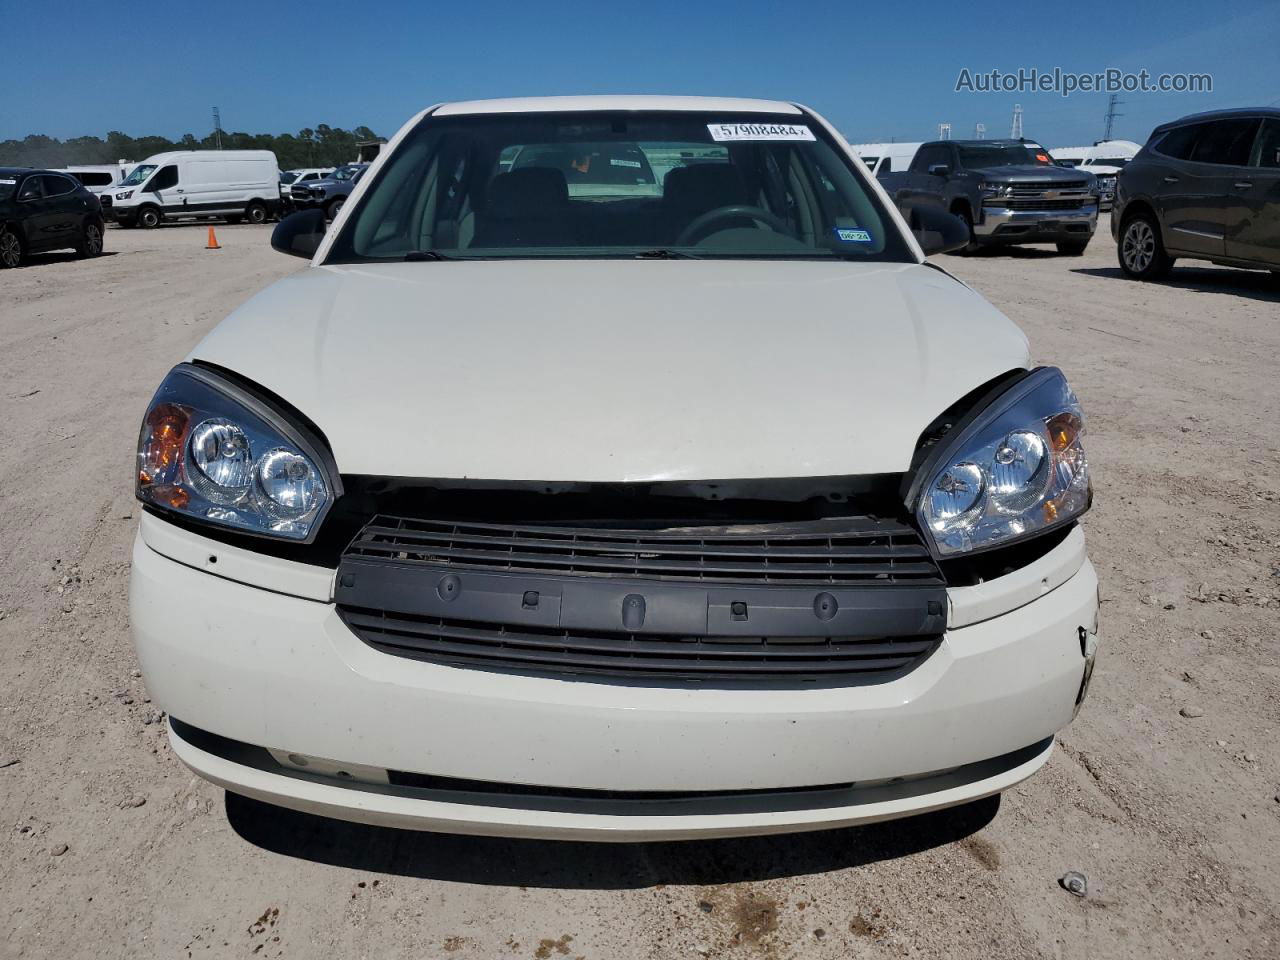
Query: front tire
(11, 252)
(148, 218)
(1140, 251)
(1072, 248)
(334, 208)
(972, 246)
(90, 244)
(256, 212)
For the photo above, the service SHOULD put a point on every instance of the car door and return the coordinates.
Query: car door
(34, 213)
(1193, 196)
(1253, 211)
(65, 209)
(166, 189)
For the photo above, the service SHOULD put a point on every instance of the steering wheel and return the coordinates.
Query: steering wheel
(733, 211)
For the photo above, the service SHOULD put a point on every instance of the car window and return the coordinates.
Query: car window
(138, 175)
(927, 157)
(311, 176)
(31, 189)
(983, 156)
(585, 184)
(166, 178)
(1180, 141)
(57, 186)
(1226, 142)
(94, 178)
(1266, 153)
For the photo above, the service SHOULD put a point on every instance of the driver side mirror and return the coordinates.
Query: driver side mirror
(939, 169)
(299, 234)
(936, 230)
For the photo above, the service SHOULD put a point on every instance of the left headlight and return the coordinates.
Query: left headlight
(1015, 470)
(212, 451)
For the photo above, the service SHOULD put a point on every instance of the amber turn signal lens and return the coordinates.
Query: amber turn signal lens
(1064, 429)
(164, 433)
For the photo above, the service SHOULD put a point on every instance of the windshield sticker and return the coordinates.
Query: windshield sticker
(845, 235)
(730, 132)
(614, 162)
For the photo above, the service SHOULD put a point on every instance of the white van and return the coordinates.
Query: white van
(100, 178)
(1105, 159)
(233, 184)
(885, 157)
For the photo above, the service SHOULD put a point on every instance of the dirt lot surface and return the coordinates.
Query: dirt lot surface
(1165, 792)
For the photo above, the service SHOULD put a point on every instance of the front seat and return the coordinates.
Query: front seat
(528, 207)
(689, 192)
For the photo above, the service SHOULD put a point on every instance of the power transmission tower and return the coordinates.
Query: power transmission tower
(979, 131)
(217, 129)
(1016, 132)
(944, 131)
(1112, 114)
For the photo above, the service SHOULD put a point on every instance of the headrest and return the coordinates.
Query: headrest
(704, 186)
(530, 192)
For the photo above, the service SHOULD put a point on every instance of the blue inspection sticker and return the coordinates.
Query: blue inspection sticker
(849, 235)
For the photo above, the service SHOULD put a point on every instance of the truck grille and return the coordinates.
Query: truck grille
(846, 551)
(577, 652)
(1018, 204)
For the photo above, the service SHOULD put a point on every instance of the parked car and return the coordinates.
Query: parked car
(1006, 192)
(233, 185)
(328, 193)
(306, 175)
(1105, 159)
(706, 513)
(42, 210)
(1206, 187)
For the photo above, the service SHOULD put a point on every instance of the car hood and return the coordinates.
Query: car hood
(1038, 172)
(618, 370)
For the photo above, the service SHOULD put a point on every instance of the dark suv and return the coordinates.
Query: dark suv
(46, 210)
(1206, 187)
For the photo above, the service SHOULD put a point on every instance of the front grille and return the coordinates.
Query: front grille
(105, 198)
(1039, 204)
(845, 551)
(553, 650)
(1037, 188)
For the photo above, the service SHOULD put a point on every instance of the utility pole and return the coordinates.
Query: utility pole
(217, 129)
(944, 131)
(979, 131)
(1112, 114)
(1016, 132)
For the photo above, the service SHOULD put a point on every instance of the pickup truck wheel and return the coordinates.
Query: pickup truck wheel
(1140, 252)
(256, 212)
(334, 207)
(1072, 248)
(972, 246)
(90, 244)
(10, 249)
(148, 217)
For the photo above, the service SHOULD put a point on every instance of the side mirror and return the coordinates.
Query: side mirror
(936, 230)
(939, 169)
(299, 234)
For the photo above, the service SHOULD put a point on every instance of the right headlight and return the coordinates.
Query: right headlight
(1014, 470)
(213, 452)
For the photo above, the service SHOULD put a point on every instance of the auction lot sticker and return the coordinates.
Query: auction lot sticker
(730, 132)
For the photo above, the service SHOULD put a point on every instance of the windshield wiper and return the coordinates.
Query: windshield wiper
(665, 254)
(417, 256)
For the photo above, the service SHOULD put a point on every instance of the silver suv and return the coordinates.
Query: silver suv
(1206, 187)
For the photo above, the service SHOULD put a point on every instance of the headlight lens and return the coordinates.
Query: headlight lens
(1016, 470)
(991, 189)
(124, 196)
(211, 451)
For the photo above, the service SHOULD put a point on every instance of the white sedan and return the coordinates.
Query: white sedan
(567, 500)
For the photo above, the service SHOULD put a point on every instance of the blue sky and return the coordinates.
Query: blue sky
(878, 71)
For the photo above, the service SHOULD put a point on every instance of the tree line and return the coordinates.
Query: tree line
(324, 146)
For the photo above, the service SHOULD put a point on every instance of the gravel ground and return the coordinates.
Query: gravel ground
(1165, 792)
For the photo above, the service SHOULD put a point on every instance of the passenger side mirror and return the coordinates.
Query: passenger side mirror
(939, 169)
(299, 234)
(936, 230)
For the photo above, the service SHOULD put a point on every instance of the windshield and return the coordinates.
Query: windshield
(982, 156)
(345, 173)
(288, 177)
(619, 185)
(139, 175)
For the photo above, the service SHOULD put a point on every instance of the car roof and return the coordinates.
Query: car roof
(549, 104)
(1223, 115)
(15, 171)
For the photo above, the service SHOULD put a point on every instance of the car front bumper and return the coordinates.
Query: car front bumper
(275, 698)
(1006, 225)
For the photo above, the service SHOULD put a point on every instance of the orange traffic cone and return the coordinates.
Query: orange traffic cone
(213, 241)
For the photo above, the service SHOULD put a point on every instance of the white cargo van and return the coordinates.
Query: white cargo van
(233, 184)
(885, 157)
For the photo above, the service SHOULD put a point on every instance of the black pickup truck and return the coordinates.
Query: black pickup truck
(1006, 191)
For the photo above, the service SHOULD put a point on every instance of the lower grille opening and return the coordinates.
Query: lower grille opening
(481, 645)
